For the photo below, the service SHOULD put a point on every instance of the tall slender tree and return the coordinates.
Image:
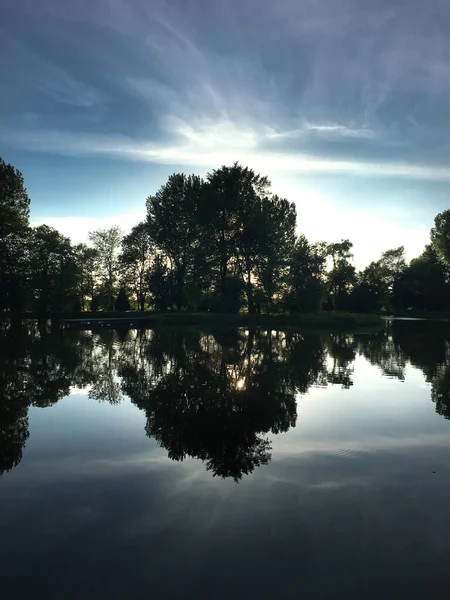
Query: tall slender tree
(107, 242)
(277, 244)
(136, 258)
(306, 289)
(342, 275)
(86, 258)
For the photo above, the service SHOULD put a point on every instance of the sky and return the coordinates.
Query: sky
(344, 104)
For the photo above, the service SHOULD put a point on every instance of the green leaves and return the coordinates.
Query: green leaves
(14, 200)
(440, 236)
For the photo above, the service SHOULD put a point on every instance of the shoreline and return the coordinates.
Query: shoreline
(322, 320)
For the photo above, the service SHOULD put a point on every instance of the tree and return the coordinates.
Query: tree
(368, 293)
(251, 233)
(376, 287)
(14, 213)
(173, 226)
(136, 258)
(14, 200)
(86, 259)
(107, 242)
(277, 243)
(232, 213)
(160, 285)
(423, 285)
(53, 270)
(122, 303)
(230, 297)
(305, 286)
(392, 265)
(440, 236)
(342, 275)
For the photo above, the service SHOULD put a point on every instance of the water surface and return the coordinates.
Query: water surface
(187, 464)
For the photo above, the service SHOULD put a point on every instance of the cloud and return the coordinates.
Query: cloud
(194, 85)
(331, 129)
(28, 71)
(212, 145)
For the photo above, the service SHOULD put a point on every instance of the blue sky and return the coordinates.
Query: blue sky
(344, 104)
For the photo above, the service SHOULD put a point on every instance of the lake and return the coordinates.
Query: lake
(225, 464)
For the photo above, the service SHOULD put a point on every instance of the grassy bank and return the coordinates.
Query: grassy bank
(335, 321)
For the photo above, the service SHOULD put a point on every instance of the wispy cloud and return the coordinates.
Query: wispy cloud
(334, 129)
(216, 144)
(336, 70)
(29, 72)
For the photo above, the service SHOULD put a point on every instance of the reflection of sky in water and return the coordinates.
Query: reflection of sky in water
(375, 413)
(352, 503)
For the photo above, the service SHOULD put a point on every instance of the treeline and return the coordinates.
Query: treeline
(221, 244)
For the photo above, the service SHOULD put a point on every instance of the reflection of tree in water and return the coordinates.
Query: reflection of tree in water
(105, 385)
(14, 402)
(425, 345)
(383, 350)
(341, 350)
(36, 370)
(212, 396)
(440, 390)
(216, 397)
(39, 366)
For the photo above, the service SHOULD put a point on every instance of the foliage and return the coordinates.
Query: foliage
(440, 236)
(423, 285)
(276, 246)
(234, 217)
(106, 243)
(14, 231)
(342, 275)
(136, 258)
(53, 271)
(122, 303)
(305, 278)
(14, 201)
(173, 227)
(160, 284)
(86, 259)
